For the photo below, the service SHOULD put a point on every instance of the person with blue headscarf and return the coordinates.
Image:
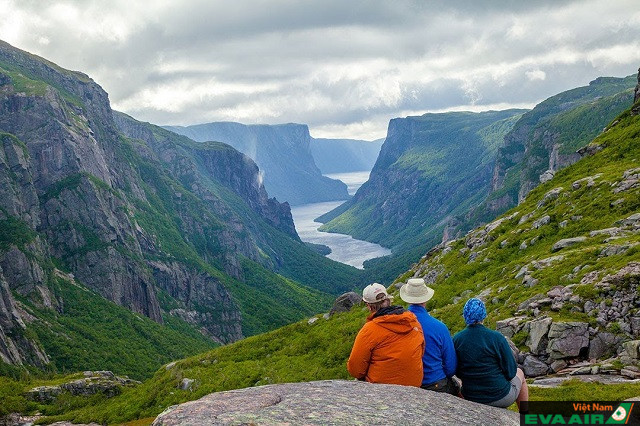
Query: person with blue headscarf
(486, 365)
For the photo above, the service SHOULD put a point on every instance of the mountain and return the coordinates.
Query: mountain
(559, 275)
(548, 138)
(179, 232)
(430, 168)
(344, 155)
(283, 154)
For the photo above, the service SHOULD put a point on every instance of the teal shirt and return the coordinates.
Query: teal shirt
(485, 363)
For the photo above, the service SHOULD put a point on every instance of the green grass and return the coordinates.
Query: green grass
(91, 333)
(596, 211)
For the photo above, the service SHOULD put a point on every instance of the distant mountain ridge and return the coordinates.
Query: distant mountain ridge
(345, 155)
(283, 154)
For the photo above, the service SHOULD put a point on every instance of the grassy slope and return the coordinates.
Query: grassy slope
(421, 234)
(593, 205)
(92, 333)
(302, 352)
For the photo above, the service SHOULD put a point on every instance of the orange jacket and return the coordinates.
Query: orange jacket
(388, 349)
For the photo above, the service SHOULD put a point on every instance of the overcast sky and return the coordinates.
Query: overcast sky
(344, 67)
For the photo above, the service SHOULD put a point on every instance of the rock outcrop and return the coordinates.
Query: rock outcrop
(536, 147)
(129, 209)
(334, 402)
(283, 154)
(429, 166)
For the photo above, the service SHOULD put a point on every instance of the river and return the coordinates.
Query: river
(344, 248)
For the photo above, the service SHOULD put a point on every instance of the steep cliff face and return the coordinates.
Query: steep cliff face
(283, 154)
(345, 155)
(429, 168)
(559, 273)
(548, 137)
(135, 213)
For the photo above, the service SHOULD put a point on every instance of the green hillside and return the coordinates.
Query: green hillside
(302, 351)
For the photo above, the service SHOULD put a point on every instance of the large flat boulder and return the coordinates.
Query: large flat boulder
(334, 402)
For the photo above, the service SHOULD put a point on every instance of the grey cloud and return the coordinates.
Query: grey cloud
(336, 63)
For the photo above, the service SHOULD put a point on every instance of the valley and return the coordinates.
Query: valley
(344, 248)
(145, 266)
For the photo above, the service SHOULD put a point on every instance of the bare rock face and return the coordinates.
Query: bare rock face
(334, 402)
(568, 339)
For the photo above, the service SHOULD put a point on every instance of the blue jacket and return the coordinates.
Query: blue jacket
(439, 359)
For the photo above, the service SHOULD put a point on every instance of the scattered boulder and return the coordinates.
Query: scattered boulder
(509, 326)
(632, 349)
(567, 339)
(345, 302)
(104, 382)
(544, 220)
(546, 176)
(567, 242)
(529, 281)
(537, 340)
(603, 345)
(549, 196)
(533, 367)
(186, 384)
(312, 320)
(334, 402)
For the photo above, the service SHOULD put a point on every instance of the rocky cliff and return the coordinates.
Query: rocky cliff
(430, 168)
(334, 402)
(283, 154)
(559, 273)
(345, 155)
(547, 138)
(154, 222)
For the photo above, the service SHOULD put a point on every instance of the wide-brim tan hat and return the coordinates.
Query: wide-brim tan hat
(416, 291)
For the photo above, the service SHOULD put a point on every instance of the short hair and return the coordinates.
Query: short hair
(376, 306)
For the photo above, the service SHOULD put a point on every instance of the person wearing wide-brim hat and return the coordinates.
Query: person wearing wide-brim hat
(439, 360)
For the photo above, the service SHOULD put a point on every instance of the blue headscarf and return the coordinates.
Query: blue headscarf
(474, 311)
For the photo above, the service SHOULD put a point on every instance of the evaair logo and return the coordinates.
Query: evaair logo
(580, 413)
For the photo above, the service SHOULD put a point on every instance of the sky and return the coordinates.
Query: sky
(345, 68)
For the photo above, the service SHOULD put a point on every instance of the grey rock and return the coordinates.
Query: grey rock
(632, 349)
(550, 196)
(333, 402)
(186, 384)
(558, 365)
(533, 367)
(546, 176)
(632, 220)
(603, 345)
(345, 302)
(567, 339)
(312, 320)
(631, 374)
(537, 339)
(607, 231)
(635, 325)
(523, 246)
(522, 272)
(545, 220)
(614, 250)
(509, 326)
(545, 263)
(567, 242)
(529, 281)
(563, 224)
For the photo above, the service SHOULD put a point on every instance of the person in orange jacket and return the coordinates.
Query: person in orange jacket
(389, 347)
